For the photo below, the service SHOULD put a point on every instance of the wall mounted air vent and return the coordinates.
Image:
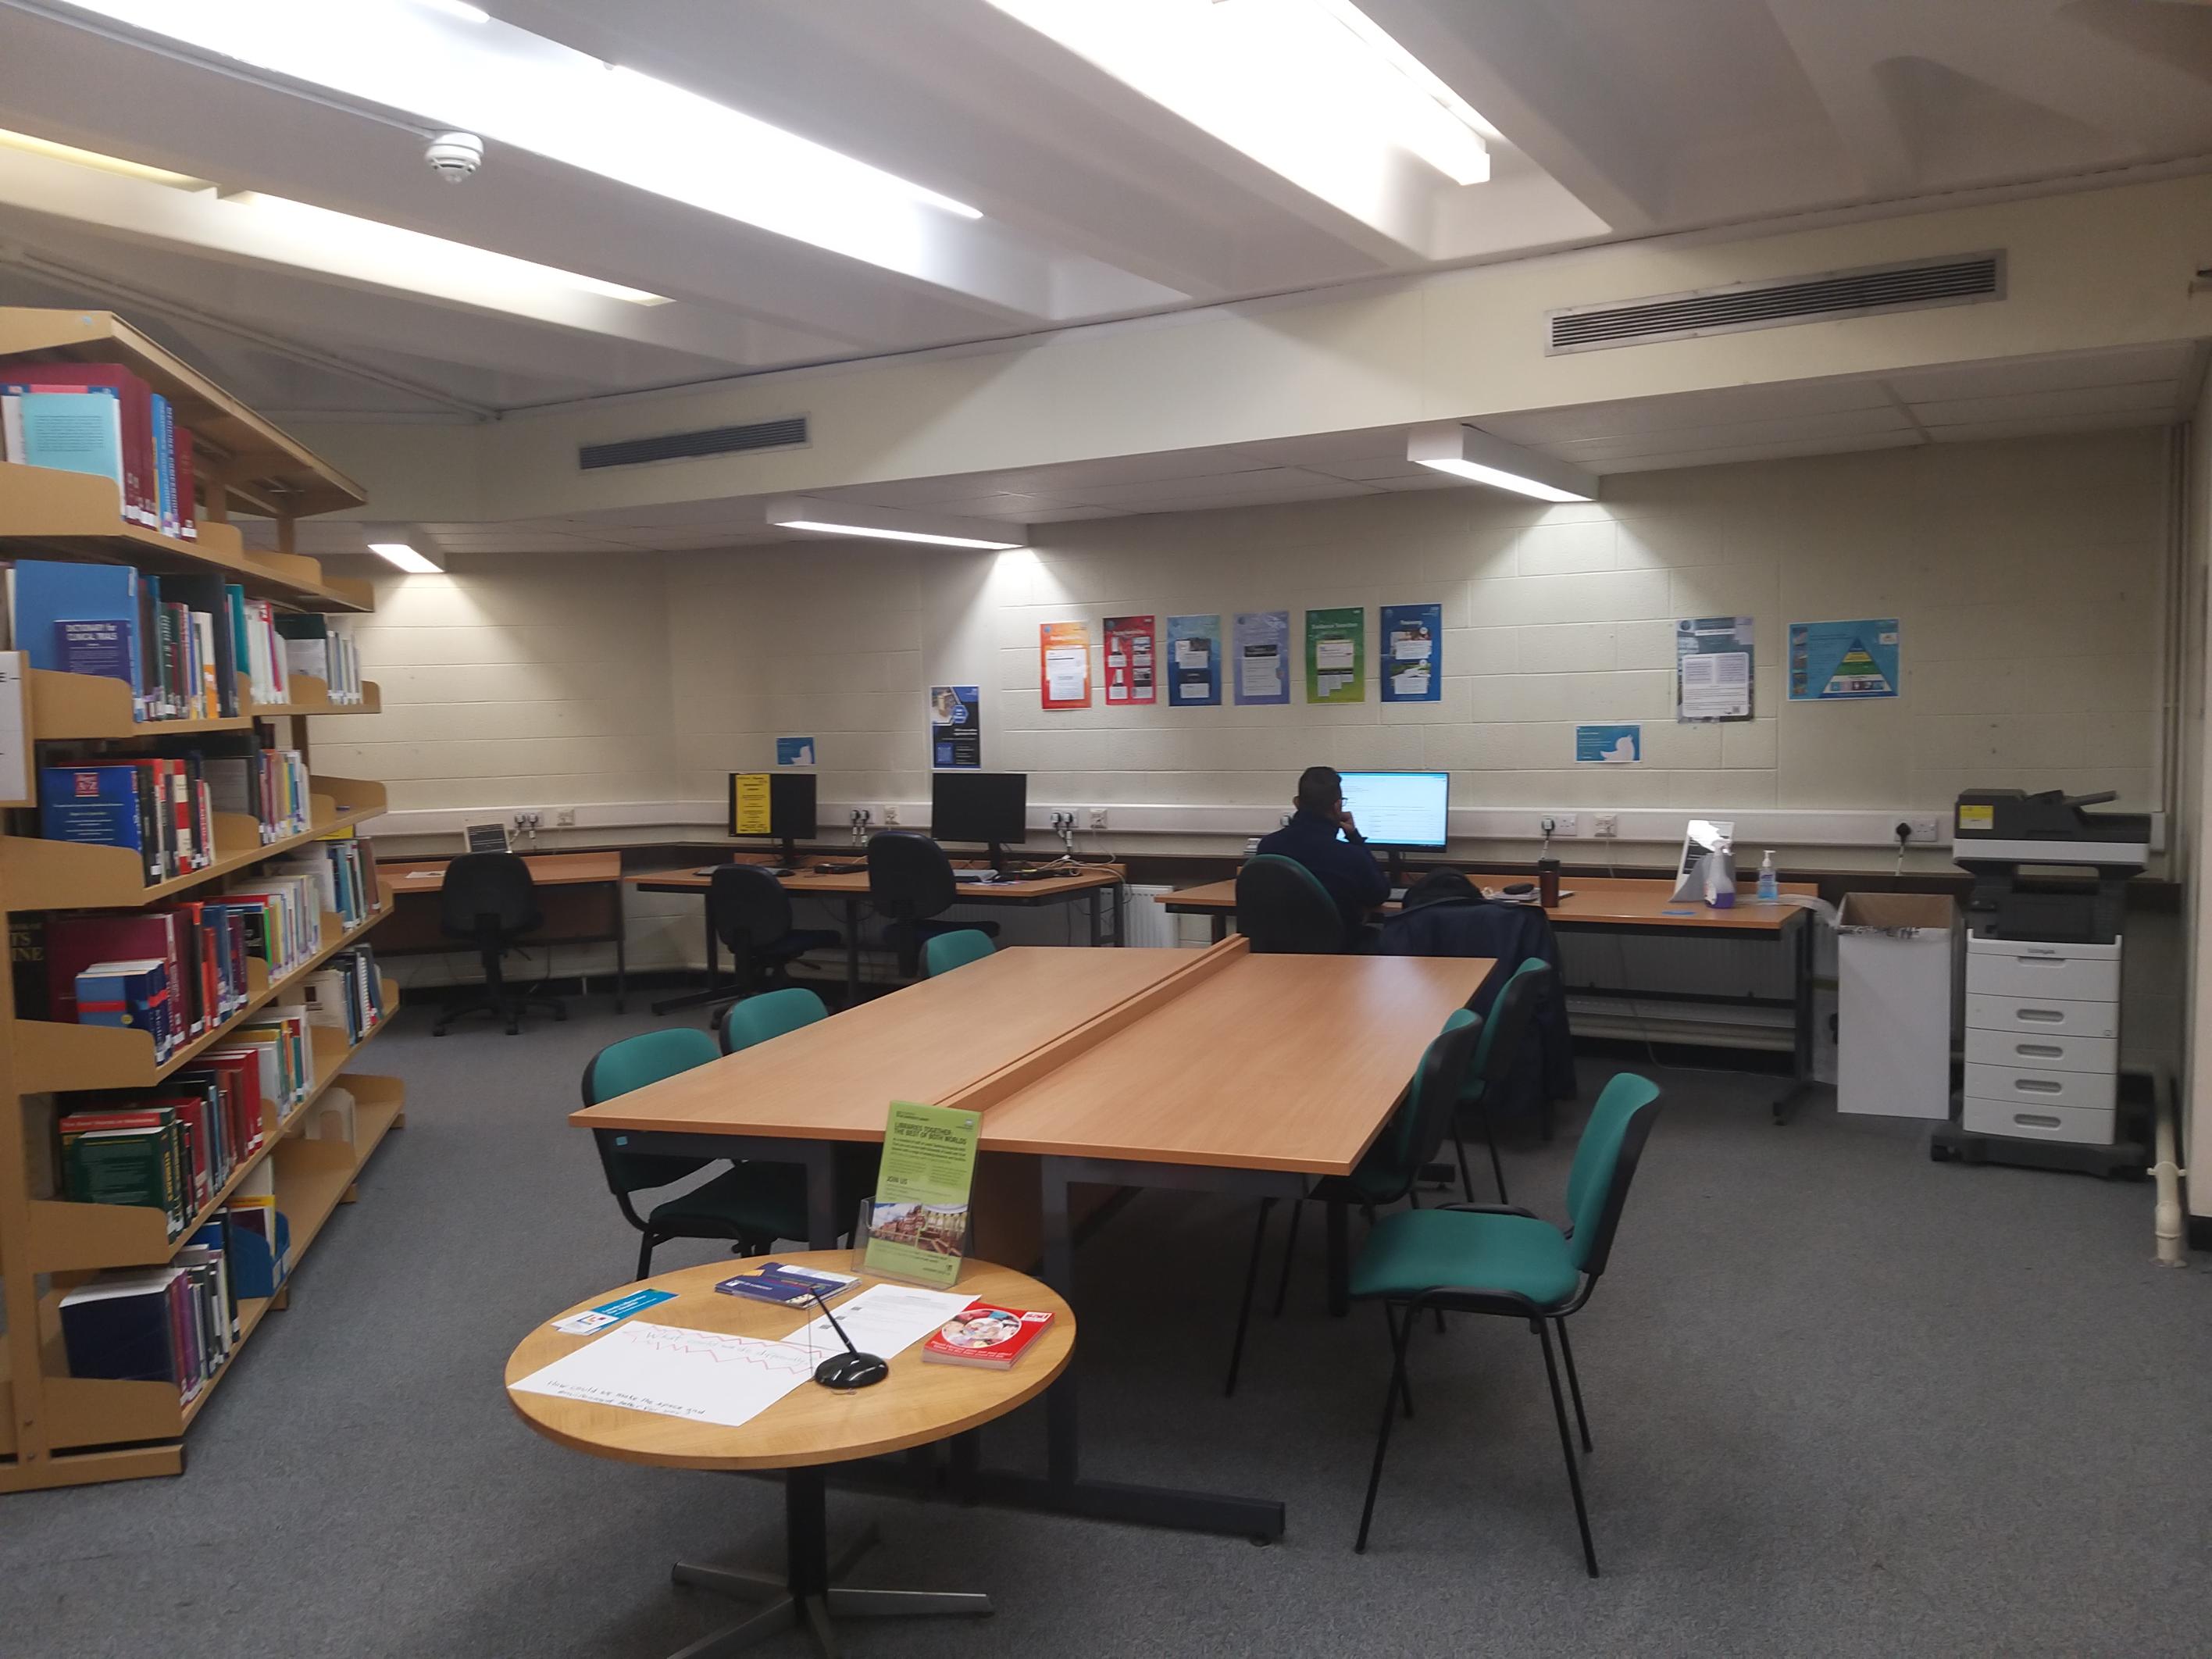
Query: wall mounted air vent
(785, 433)
(1959, 280)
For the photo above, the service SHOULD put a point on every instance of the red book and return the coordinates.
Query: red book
(983, 1334)
(244, 1068)
(138, 400)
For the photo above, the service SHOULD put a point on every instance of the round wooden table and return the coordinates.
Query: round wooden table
(809, 1428)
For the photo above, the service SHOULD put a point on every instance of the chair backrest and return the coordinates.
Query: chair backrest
(769, 1015)
(909, 877)
(487, 889)
(1283, 908)
(1417, 1129)
(631, 1064)
(748, 908)
(943, 952)
(1605, 1163)
(1512, 1018)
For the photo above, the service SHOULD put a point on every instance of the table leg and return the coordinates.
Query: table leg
(823, 1223)
(621, 950)
(714, 992)
(1800, 1000)
(852, 951)
(1220, 925)
(1339, 1257)
(1097, 935)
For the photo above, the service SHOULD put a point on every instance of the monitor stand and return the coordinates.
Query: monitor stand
(999, 857)
(787, 852)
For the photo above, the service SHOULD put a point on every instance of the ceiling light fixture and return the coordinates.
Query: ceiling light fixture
(395, 544)
(831, 518)
(461, 8)
(536, 95)
(1311, 89)
(1467, 451)
(92, 158)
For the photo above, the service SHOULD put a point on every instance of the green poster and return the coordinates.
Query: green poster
(1336, 654)
(920, 1220)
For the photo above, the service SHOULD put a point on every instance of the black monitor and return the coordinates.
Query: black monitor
(990, 807)
(790, 809)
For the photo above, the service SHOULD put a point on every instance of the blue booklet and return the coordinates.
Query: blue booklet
(791, 1286)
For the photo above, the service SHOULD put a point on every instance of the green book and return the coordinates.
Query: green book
(918, 1227)
(121, 1166)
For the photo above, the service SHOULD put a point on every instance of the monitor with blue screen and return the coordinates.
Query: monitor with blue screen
(1399, 808)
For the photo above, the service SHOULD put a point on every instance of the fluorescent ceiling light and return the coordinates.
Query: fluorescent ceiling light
(91, 158)
(461, 8)
(887, 524)
(1468, 453)
(525, 90)
(396, 543)
(1311, 89)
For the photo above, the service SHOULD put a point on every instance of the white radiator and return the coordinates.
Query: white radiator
(1147, 921)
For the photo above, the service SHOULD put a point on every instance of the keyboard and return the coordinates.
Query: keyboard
(840, 870)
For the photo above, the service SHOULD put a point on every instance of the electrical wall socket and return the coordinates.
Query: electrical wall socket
(891, 814)
(1926, 829)
(1556, 824)
(1062, 819)
(529, 821)
(1605, 823)
(564, 818)
(1097, 817)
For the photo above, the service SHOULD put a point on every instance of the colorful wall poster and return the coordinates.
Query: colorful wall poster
(794, 752)
(1843, 661)
(1336, 654)
(956, 726)
(1712, 669)
(1064, 664)
(1262, 644)
(1129, 671)
(1412, 653)
(919, 1224)
(1616, 745)
(1193, 662)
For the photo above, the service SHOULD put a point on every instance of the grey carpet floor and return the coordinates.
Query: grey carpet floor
(1846, 1402)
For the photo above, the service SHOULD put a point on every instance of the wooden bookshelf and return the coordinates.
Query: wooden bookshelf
(57, 1430)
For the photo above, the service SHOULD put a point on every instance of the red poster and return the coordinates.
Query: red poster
(1064, 664)
(1129, 673)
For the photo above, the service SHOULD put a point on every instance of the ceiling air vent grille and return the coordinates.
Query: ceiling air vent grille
(1959, 280)
(784, 434)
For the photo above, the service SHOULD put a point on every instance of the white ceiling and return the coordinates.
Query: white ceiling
(1618, 120)
(1970, 403)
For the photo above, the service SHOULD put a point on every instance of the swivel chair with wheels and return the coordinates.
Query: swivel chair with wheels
(909, 881)
(490, 900)
(1283, 908)
(750, 914)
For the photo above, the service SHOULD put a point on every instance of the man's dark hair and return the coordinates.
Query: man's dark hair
(1320, 789)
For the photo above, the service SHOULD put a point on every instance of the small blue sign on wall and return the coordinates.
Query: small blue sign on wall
(1617, 745)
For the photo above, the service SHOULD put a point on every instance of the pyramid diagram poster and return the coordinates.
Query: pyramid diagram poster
(1844, 661)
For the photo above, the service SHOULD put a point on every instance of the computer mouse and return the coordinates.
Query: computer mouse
(851, 1370)
(1518, 889)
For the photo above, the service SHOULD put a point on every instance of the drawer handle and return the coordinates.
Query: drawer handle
(2041, 962)
(2037, 1051)
(2043, 1015)
(2035, 1120)
(2037, 1085)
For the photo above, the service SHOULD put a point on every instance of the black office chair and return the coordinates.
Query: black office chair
(750, 914)
(1283, 908)
(489, 899)
(910, 880)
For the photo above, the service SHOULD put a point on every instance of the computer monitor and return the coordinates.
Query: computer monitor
(991, 807)
(790, 809)
(1399, 808)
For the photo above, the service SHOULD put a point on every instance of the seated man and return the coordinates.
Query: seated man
(1345, 868)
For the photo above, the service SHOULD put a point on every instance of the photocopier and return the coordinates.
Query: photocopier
(2043, 961)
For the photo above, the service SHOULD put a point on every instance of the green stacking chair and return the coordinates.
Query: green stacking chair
(1283, 908)
(1512, 1018)
(1491, 1259)
(770, 1014)
(752, 1203)
(1391, 1166)
(941, 953)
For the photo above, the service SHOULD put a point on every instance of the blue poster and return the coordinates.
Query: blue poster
(1262, 648)
(1843, 661)
(956, 726)
(1412, 653)
(794, 752)
(1618, 746)
(1193, 662)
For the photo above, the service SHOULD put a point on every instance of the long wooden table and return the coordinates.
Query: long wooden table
(1095, 881)
(581, 904)
(1215, 1069)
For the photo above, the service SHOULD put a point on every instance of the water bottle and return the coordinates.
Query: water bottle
(1770, 888)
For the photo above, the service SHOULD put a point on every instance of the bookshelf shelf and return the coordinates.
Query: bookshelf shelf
(57, 1430)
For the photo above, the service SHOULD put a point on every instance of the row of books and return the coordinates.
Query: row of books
(180, 642)
(344, 867)
(162, 806)
(173, 1148)
(102, 419)
(347, 995)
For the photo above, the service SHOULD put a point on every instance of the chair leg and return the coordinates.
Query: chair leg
(1244, 1307)
(645, 1246)
(1290, 1255)
(1574, 1384)
(1405, 1381)
(1566, 1444)
(1497, 1168)
(1399, 1334)
(1465, 1181)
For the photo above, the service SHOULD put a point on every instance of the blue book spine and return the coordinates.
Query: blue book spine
(128, 996)
(94, 804)
(100, 648)
(49, 591)
(165, 473)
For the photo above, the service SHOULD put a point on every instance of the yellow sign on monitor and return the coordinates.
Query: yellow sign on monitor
(749, 813)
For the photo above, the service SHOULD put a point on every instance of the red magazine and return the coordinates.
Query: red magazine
(982, 1334)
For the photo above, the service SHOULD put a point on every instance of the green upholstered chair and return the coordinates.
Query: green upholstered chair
(1512, 1020)
(770, 1014)
(1492, 1259)
(1391, 1166)
(943, 952)
(1283, 908)
(752, 1203)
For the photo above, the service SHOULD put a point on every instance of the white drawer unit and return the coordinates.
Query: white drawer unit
(2042, 1051)
(2024, 968)
(2082, 1126)
(2044, 1016)
(2021, 1086)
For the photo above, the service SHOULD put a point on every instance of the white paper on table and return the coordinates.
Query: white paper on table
(1190, 653)
(672, 1370)
(1332, 651)
(884, 1319)
(1413, 650)
(1262, 671)
(1064, 671)
(1716, 684)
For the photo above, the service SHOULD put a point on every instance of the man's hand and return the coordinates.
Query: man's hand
(1344, 822)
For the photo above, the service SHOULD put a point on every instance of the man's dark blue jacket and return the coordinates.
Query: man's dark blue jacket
(1345, 868)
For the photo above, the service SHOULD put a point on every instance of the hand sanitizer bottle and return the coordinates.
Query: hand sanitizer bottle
(1769, 888)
